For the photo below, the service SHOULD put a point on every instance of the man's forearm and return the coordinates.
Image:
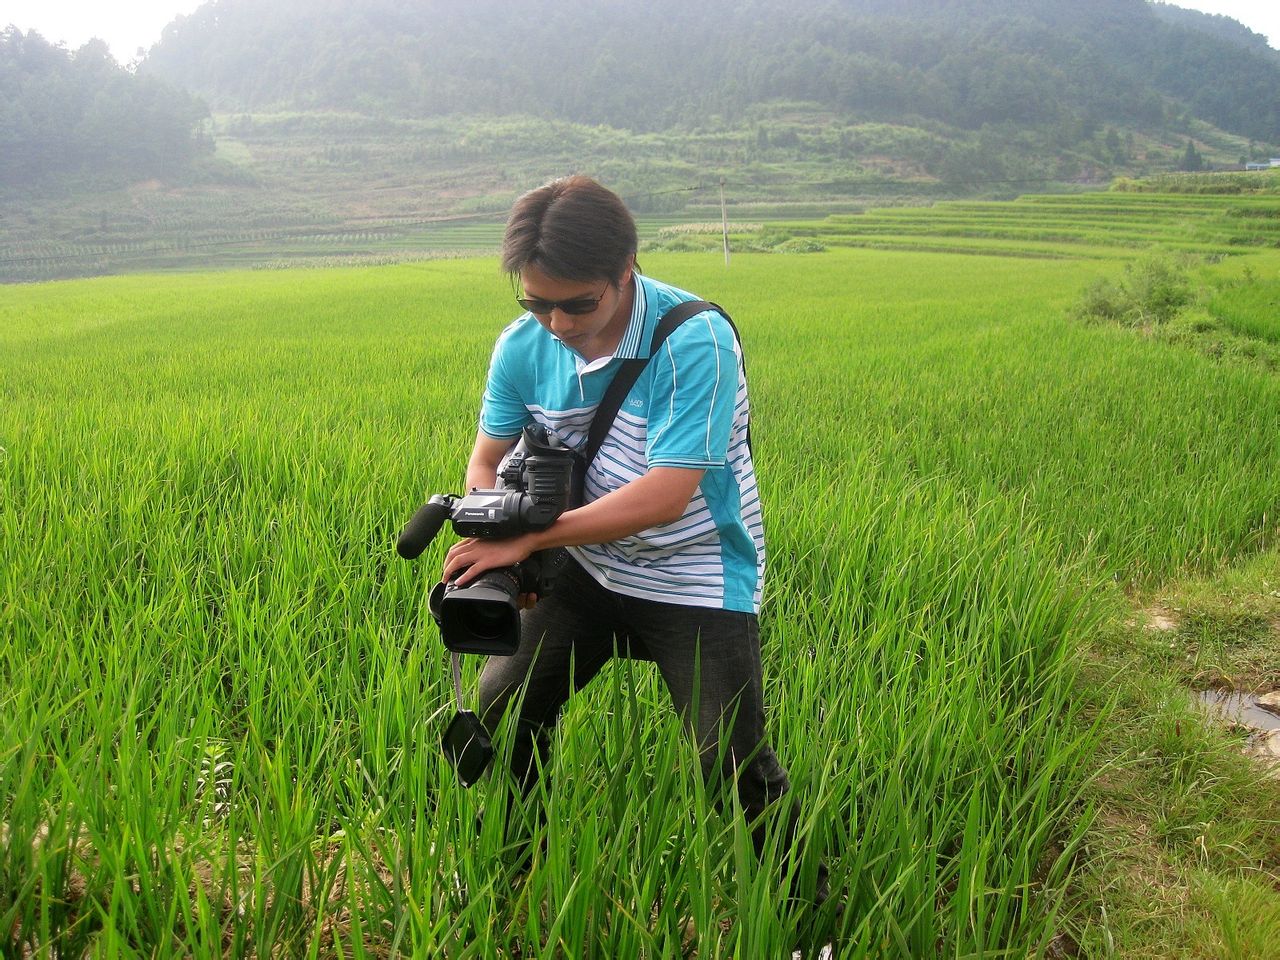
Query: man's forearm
(481, 477)
(486, 456)
(660, 496)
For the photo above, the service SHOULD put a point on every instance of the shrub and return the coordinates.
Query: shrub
(1152, 292)
(1196, 320)
(800, 245)
(1158, 287)
(1102, 302)
(685, 243)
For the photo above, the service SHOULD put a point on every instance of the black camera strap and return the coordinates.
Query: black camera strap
(629, 372)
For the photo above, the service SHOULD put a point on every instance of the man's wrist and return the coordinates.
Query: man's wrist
(551, 537)
(536, 539)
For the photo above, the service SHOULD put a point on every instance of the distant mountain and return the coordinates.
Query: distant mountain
(1061, 67)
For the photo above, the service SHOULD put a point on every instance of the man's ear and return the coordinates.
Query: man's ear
(626, 273)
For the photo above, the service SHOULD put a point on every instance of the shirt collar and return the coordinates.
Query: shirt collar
(635, 340)
(633, 343)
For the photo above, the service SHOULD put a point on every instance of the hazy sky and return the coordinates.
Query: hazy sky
(124, 26)
(137, 23)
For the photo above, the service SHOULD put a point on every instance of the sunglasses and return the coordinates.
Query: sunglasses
(575, 307)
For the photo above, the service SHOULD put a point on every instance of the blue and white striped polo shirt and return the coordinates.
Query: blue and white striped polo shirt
(687, 409)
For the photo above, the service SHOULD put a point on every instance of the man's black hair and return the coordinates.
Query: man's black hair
(570, 229)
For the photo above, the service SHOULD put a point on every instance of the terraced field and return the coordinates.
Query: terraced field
(163, 231)
(1088, 225)
(223, 240)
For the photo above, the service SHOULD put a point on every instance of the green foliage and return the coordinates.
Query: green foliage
(154, 228)
(1216, 184)
(1208, 334)
(682, 243)
(223, 691)
(1151, 292)
(976, 64)
(800, 245)
(1249, 305)
(1185, 838)
(1233, 320)
(1157, 287)
(1102, 301)
(761, 240)
(1217, 24)
(1191, 159)
(79, 114)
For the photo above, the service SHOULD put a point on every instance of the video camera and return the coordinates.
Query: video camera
(534, 488)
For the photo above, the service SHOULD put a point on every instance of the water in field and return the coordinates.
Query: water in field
(1240, 708)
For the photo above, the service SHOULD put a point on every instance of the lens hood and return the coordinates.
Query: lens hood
(483, 617)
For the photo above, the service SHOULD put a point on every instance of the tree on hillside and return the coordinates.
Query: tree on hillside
(80, 113)
(1115, 149)
(1191, 159)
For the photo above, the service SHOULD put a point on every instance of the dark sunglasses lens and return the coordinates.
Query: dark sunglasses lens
(572, 307)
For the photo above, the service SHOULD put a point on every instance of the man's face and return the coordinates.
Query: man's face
(593, 334)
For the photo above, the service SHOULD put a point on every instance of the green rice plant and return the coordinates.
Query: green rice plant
(1249, 306)
(221, 693)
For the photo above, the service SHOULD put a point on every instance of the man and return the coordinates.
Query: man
(668, 549)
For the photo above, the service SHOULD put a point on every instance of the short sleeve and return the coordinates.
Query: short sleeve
(503, 413)
(693, 393)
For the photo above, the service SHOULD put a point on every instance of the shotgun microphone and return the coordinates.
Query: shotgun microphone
(424, 525)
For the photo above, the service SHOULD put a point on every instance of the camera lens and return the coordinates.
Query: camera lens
(485, 619)
(483, 616)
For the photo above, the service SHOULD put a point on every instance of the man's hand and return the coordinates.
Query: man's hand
(660, 496)
(469, 558)
(486, 555)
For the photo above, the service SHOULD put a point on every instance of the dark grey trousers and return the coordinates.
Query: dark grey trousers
(569, 636)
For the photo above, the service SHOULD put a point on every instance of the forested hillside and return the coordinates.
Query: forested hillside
(1058, 68)
(1216, 24)
(79, 114)
(355, 127)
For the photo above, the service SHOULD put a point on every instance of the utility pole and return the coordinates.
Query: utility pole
(724, 223)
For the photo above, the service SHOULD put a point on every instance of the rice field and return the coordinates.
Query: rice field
(221, 694)
(1085, 225)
